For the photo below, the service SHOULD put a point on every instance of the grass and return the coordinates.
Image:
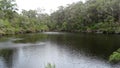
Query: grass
(49, 65)
(115, 57)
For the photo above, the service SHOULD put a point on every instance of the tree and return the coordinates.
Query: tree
(8, 7)
(88, 15)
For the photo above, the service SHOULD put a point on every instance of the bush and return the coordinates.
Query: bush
(49, 65)
(115, 57)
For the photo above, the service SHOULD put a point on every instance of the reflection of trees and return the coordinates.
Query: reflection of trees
(7, 56)
(92, 44)
(3, 39)
(33, 38)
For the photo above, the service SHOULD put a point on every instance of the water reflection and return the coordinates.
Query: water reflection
(6, 56)
(30, 38)
(65, 50)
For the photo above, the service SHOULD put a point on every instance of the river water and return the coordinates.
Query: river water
(64, 50)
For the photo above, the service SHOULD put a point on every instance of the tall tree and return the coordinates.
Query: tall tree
(8, 7)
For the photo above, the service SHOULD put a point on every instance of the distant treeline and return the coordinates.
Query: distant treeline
(100, 16)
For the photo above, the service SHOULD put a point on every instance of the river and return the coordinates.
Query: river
(65, 50)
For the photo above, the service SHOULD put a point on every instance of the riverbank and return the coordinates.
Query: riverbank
(36, 31)
(89, 31)
(21, 32)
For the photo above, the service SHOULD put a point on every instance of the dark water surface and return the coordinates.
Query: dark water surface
(65, 50)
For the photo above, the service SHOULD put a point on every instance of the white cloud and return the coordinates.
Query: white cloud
(46, 4)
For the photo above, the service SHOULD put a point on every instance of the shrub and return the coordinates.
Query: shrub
(115, 57)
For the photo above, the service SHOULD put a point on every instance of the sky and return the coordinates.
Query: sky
(48, 5)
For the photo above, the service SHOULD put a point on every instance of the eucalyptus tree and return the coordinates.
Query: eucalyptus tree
(93, 14)
(8, 7)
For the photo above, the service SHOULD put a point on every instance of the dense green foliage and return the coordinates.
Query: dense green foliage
(91, 16)
(49, 65)
(28, 21)
(100, 16)
(115, 57)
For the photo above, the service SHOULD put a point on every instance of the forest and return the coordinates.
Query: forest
(96, 16)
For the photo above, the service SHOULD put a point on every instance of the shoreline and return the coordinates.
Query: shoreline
(28, 31)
